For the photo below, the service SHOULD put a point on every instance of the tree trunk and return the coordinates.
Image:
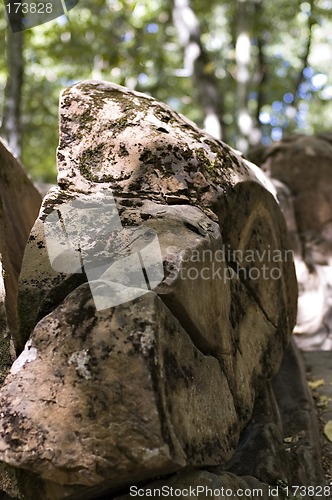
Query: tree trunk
(196, 64)
(11, 121)
(261, 75)
(306, 53)
(243, 59)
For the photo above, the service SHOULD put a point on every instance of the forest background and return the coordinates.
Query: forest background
(249, 71)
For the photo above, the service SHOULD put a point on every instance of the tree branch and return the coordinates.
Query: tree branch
(261, 73)
(306, 54)
(243, 59)
(11, 120)
(196, 64)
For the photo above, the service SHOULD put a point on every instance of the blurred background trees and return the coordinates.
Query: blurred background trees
(248, 71)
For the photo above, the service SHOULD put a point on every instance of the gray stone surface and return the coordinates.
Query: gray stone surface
(302, 166)
(19, 206)
(123, 394)
(291, 161)
(282, 440)
(153, 148)
(99, 399)
(279, 450)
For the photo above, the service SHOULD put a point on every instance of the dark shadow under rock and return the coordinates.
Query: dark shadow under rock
(278, 451)
(319, 367)
(281, 445)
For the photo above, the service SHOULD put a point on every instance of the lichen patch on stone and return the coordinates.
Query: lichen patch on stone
(27, 356)
(81, 361)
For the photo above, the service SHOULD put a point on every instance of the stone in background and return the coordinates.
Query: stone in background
(19, 206)
(302, 166)
(303, 163)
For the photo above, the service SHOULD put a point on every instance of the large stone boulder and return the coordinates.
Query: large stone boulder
(303, 163)
(278, 451)
(301, 166)
(19, 206)
(156, 298)
(126, 396)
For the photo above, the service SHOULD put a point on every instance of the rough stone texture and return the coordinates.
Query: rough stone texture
(228, 324)
(279, 448)
(168, 380)
(284, 196)
(303, 164)
(135, 144)
(299, 419)
(121, 393)
(282, 440)
(139, 148)
(19, 206)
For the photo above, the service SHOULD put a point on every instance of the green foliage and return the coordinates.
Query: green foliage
(134, 43)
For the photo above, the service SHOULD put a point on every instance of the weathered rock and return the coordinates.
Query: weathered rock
(158, 155)
(313, 279)
(285, 198)
(19, 206)
(122, 393)
(282, 440)
(278, 451)
(135, 144)
(227, 299)
(303, 163)
(299, 417)
(228, 325)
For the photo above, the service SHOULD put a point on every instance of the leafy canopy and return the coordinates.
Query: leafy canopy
(134, 43)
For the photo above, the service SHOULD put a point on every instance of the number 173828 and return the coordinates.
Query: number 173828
(29, 8)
